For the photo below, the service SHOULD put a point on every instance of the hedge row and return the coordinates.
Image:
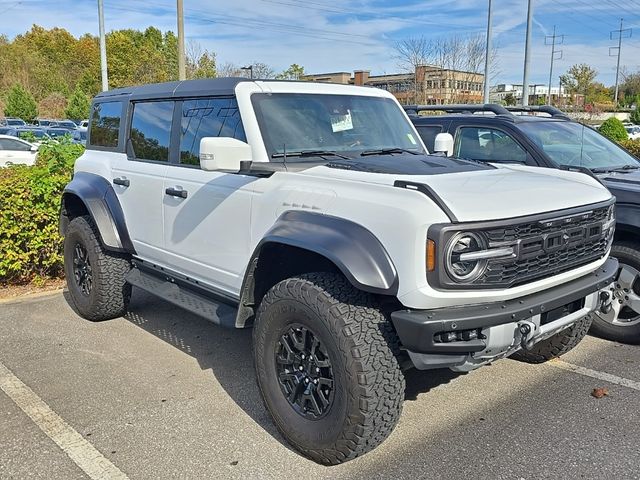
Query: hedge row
(633, 146)
(30, 245)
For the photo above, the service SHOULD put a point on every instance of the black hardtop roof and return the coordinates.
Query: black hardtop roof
(494, 111)
(185, 88)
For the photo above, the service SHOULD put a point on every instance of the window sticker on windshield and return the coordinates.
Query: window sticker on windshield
(340, 123)
(411, 139)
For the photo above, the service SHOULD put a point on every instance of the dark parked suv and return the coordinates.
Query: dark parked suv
(546, 137)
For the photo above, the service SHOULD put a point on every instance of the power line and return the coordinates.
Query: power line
(621, 32)
(555, 40)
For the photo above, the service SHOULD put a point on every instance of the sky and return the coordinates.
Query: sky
(332, 35)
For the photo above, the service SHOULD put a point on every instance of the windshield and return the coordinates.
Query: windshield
(346, 124)
(58, 132)
(574, 145)
(12, 121)
(28, 133)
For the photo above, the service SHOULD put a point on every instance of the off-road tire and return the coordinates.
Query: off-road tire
(627, 253)
(109, 295)
(363, 349)
(555, 346)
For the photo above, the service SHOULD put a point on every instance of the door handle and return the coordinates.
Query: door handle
(176, 192)
(121, 181)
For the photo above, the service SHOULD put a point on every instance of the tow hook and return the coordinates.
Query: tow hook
(605, 302)
(527, 330)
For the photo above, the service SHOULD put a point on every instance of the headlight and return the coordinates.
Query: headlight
(461, 266)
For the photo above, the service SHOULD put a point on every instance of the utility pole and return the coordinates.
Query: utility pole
(487, 57)
(182, 71)
(527, 56)
(103, 48)
(552, 39)
(622, 33)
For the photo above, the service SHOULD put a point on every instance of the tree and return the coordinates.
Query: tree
(510, 100)
(78, 106)
(635, 115)
(52, 106)
(199, 63)
(294, 72)
(20, 104)
(613, 129)
(579, 79)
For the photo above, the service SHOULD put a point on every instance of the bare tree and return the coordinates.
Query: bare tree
(459, 58)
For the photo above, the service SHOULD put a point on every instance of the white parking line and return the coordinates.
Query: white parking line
(81, 452)
(587, 372)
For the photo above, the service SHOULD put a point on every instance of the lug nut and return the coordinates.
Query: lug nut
(306, 380)
(317, 370)
(315, 381)
(300, 368)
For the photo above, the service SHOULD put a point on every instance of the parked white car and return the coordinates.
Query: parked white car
(633, 131)
(15, 150)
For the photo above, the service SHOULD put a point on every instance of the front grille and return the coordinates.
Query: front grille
(542, 249)
(541, 246)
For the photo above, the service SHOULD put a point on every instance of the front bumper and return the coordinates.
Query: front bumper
(420, 330)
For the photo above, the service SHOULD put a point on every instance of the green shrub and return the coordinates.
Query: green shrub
(635, 115)
(613, 129)
(21, 104)
(633, 146)
(78, 106)
(29, 208)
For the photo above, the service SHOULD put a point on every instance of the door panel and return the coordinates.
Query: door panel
(141, 203)
(207, 233)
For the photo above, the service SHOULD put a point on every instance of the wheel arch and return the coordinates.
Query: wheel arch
(90, 194)
(627, 222)
(305, 242)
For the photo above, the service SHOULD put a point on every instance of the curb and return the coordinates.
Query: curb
(31, 296)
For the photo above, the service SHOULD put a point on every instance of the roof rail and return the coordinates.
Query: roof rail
(459, 108)
(553, 111)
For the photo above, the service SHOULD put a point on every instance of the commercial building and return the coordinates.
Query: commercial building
(504, 92)
(429, 84)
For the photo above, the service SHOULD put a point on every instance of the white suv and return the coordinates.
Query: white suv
(316, 211)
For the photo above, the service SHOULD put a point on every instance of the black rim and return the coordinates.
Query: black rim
(304, 372)
(82, 269)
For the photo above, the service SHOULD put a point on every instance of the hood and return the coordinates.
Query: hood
(478, 194)
(624, 186)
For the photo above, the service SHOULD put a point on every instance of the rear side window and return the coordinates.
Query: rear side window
(105, 124)
(8, 144)
(207, 117)
(151, 130)
(428, 134)
(488, 144)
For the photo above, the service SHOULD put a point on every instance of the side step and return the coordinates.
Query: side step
(217, 312)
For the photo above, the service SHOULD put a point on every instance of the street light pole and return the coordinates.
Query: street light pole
(527, 56)
(103, 48)
(250, 68)
(487, 57)
(182, 71)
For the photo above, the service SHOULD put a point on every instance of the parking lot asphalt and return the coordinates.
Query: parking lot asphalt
(162, 393)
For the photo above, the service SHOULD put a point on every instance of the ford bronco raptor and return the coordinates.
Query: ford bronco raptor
(546, 137)
(317, 212)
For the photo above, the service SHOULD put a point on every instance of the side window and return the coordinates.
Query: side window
(105, 124)
(488, 144)
(13, 145)
(151, 130)
(207, 117)
(428, 134)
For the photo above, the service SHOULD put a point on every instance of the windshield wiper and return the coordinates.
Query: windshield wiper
(387, 151)
(310, 153)
(624, 168)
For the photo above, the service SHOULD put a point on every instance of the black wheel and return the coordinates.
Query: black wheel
(327, 367)
(557, 345)
(95, 277)
(622, 322)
